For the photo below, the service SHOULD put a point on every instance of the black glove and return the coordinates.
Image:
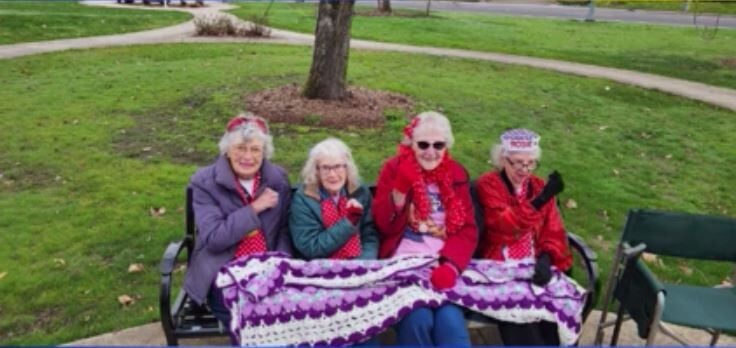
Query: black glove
(554, 186)
(542, 270)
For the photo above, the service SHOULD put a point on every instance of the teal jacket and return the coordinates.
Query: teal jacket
(313, 241)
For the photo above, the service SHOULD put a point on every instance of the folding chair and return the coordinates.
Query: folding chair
(649, 302)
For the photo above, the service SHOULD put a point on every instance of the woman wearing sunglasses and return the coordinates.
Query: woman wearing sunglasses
(522, 224)
(330, 212)
(423, 206)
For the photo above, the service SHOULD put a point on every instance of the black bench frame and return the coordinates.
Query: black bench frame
(185, 319)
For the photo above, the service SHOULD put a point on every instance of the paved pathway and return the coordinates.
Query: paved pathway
(152, 335)
(720, 96)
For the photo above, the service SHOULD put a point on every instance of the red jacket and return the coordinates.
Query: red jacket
(459, 247)
(505, 217)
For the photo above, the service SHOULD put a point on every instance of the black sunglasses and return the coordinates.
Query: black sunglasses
(425, 145)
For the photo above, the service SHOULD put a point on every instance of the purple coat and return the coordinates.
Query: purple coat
(222, 221)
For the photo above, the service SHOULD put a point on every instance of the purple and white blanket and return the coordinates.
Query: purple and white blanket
(278, 301)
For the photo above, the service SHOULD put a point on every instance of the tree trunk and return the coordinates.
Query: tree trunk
(331, 47)
(385, 6)
(429, 4)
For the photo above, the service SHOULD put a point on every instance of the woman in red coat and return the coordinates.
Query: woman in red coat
(522, 223)
(423, 206)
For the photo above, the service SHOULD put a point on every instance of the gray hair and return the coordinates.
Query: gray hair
(498, 153)
(330, 147)
(247, 132)
(434, 120)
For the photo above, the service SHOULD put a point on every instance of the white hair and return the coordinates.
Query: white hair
(498, 153)
(435, 121)
(329, 148)
(247, 132)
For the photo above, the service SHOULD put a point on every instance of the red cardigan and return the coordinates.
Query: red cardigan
(459, 247)
(505, 217)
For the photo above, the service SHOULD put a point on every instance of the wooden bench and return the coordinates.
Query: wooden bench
(183, 318)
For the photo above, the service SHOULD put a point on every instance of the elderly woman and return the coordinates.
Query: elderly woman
(240, 205)
(330, 213)
(522, 223)
(423, 206)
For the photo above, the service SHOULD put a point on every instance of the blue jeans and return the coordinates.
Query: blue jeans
(217, 306)
(442, 326)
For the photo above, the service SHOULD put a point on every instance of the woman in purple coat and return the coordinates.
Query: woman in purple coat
(240, 207)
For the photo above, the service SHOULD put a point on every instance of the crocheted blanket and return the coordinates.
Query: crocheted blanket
(278, 301)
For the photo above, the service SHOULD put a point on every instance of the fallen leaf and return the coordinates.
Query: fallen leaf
(669, 155)
(59, 262)
(180, 268)
(604, 214)
(599, 237)
(615, 172)
(149, 309)
(125, 300)
(156, 212)
(571, 204)
(649, 258)
(602, 128)
(135, 268)
(3, 274)
(686, 270)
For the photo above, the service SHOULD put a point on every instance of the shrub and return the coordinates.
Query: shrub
(225, 25)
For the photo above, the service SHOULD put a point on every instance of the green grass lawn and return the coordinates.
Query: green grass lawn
(91, 140)
(671, 51)
(696, 6)
(24, 21)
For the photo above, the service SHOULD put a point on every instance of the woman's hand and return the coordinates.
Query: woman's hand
(553, 187)
(444, 276)
(406, 176)
(354, 211)
(266, 200)
(542, 270)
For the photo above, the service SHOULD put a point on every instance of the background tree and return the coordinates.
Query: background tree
(331, 47)
(384, 6)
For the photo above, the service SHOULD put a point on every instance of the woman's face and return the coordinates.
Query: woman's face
(332, 173)
(519, 166)
(246, 158)
(429, 146)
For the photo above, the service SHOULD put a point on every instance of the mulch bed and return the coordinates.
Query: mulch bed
(363, 109)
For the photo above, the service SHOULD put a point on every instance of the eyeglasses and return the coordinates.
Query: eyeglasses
(519, 165)
(423, 145)
(325, 168)
(243, 149)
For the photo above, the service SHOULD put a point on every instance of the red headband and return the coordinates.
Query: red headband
(240, 120)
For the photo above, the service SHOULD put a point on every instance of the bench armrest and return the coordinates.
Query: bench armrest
(170, 255)
(168, 261)
(590, 262)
